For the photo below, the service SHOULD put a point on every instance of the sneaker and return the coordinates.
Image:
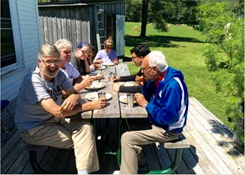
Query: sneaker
(116, 172)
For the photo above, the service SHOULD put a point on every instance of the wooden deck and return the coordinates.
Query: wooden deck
(211, 151)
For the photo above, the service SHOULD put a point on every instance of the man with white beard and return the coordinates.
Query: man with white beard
(41, 110)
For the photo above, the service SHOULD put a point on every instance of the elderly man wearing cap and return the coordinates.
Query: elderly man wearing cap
(166, 104)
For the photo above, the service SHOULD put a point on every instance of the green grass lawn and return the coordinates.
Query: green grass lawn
(183, 48)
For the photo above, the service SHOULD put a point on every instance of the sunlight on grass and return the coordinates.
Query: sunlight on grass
(183, 48)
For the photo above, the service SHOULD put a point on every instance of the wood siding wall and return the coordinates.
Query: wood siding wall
(29, 42)
(74, 22)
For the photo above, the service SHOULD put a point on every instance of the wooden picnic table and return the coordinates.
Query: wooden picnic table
(114, 108)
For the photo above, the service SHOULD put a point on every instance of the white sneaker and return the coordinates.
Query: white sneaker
(116, 172)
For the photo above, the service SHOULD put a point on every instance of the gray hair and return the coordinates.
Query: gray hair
(156, 58)
(48, 50)
(62, 43)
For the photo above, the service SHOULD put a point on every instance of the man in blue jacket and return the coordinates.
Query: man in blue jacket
(166, 101)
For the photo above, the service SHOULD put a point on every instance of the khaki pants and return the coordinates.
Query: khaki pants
(132, 141)
(75, 133)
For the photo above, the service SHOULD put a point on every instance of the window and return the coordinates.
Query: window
(8, 55)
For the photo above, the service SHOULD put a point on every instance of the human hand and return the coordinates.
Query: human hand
(99, 103)
(116, 87)
(96, 66)
(83, 58)
(97, 61)
(70, 102)
(115, 61)
(116, 78)
(87, 81)
(140, 99)
(99, 76)
(139, 80)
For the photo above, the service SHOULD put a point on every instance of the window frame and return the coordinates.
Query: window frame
(17, 40)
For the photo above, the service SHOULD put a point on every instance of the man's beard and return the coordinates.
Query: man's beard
(49, 73)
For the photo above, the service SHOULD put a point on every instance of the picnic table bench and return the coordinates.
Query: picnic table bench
(178, 145)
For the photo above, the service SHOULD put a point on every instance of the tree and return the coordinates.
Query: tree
(224, 28)
(144, 17)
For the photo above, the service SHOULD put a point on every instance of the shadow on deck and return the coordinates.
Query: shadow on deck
(211, 151)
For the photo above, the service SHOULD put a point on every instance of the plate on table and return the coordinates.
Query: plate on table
(108, 64)
(94, 96)
(124, 99)
(95, 86)
(102, 67)
(127, 84)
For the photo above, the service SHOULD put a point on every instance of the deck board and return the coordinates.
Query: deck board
(151, 158)
(214, 132)
(201, 159)
(203, 144)
(212, 150)
(215, 150)
(163, 156)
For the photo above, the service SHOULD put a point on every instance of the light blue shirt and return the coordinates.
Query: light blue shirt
(106, 57)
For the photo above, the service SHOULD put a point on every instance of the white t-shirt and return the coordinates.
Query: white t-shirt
(70, 72)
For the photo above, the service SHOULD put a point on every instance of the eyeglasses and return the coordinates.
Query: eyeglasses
(49, 63)
(145, 68)
(85, 52)
(67, 52)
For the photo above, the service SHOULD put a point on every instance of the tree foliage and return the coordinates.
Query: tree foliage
(175, 11)
(133, 11)
(172, 11)
(223, 24)
(161, 12)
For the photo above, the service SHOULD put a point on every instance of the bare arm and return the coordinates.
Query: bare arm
(57, 111)
(82, 82)
(115, 60)
(97, 61)
(87, 68)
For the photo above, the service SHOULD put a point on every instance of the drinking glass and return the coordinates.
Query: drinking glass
(112, 76)
(120, 61)
(130, 100)
(101, 94)
(106, 73)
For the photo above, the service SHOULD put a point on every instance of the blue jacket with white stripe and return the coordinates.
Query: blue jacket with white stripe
(168, 104)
